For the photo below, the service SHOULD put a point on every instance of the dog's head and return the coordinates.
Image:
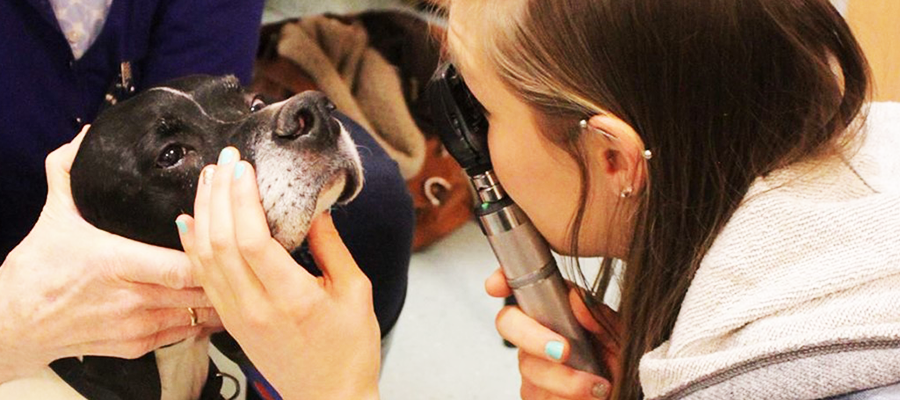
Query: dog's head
(139, 164)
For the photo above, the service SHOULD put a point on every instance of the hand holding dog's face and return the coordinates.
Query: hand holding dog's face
(273, 308)
(72, 290)
(138, 167)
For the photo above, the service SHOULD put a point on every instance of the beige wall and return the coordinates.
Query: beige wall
(876, 24)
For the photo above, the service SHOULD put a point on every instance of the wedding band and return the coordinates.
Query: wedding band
(193, 313)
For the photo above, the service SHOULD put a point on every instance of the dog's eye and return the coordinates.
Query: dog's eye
(171, 156)
(257, 104)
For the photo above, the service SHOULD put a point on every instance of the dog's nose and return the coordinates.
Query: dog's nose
(308, 113)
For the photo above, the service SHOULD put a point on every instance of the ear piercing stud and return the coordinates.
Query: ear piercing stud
(647, 154)
(585, 125)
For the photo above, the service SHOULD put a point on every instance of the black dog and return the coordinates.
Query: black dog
(138, 168)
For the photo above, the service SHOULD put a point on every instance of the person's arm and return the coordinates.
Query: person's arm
(542, 352)
(69, 289)
(313, 338)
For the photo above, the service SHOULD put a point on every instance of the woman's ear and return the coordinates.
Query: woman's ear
(621, 153)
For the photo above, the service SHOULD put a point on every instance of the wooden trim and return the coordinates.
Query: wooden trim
(876, 24)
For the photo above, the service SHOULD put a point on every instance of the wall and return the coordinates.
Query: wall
(876, 24)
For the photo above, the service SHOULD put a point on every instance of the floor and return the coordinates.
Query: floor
(446, 346)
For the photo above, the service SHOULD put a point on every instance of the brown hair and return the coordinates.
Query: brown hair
(722, 92)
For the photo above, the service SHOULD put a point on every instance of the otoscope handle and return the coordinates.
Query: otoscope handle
(537, 284)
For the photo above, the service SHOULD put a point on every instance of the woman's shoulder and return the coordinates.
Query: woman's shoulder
(878, 157)
(885, 114)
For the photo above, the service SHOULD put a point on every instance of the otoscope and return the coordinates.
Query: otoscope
(523, 253)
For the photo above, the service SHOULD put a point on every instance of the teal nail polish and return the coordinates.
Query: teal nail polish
(239, 170)
(182, 227)
(554, 349)
(226, 155)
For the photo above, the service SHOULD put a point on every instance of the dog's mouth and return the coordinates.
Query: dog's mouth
(341, 189)
(347, 182)
(353, 183)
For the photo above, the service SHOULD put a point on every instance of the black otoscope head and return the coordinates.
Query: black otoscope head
(460, 121)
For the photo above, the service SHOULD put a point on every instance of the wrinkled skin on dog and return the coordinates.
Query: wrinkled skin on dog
(139, 164)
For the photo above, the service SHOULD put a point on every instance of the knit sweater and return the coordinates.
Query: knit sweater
(799, 295)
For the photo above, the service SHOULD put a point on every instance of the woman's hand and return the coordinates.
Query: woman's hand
(312, 338)
(69, 289)
(542, 352)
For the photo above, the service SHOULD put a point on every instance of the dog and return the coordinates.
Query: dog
(138, 168)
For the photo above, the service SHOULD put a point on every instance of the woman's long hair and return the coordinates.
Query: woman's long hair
(721, 91)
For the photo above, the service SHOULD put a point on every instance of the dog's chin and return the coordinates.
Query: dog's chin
(341, 189)
(331, 194)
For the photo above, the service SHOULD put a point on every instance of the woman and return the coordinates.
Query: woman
(720, 157)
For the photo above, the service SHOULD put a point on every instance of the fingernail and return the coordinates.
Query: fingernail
(239, 170)
(226, 155)
(208, 174)
(554, 349)
(182, 226)
(600, 390)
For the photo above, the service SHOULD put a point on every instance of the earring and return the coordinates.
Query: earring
(626, 193)
(647, 154)
(585, 125)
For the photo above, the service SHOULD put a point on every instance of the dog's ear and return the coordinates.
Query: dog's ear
(90, 179)
(108, 187)
(99, 180)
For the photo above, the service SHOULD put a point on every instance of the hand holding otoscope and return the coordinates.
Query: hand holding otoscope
(523, 253)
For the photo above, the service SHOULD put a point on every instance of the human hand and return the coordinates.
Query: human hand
(69, 289)
(542, 352)
(312, 338)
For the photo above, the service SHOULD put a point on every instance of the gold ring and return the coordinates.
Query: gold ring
(193, 313)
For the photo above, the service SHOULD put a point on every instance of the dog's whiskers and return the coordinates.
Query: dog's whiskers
(359, 147)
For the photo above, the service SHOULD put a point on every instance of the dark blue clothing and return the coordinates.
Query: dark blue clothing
(48, 96)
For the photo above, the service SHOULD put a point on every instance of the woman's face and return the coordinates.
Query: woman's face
(540, 176)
